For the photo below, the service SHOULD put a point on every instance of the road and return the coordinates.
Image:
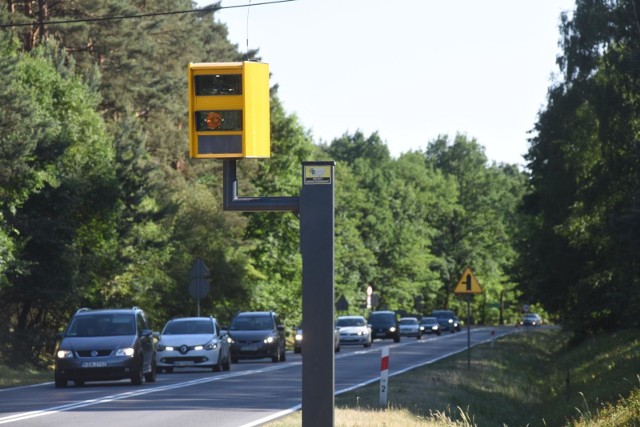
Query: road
(252, 393)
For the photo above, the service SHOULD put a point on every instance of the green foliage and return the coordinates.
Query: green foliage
(60, 209)
(580, 253)
(100, 205)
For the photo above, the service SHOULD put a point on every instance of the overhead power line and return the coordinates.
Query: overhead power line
(144, 15)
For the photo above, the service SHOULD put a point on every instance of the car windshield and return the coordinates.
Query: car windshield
(408, 321)
(443, 314)
(429, 320)
(350, 322)
(102, 325)
(381, 317)
(251, 323)
(194, 327)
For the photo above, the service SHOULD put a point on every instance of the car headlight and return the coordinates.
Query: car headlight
(64, 354)
(422, 328)
(360, 333)
(269, 340)
(392, 329)
(298, 337)
(435, 327)
(160, 347)
(128, 352)
(211, 345)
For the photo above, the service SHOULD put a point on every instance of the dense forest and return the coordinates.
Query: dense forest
(101, 206)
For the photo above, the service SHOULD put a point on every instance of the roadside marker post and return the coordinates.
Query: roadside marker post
(384, 376)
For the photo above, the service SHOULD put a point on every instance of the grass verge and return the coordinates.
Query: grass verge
(531, 379)
(20, 376)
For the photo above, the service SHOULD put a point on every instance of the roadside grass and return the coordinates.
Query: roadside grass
(21, 375)
(532, 378)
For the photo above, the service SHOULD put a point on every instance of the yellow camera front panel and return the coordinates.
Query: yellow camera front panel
(229, 110)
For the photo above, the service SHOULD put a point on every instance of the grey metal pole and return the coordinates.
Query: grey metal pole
(317, 247)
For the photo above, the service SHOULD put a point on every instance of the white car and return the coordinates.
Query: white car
(410, 327)
(354, 330)
(193, 342)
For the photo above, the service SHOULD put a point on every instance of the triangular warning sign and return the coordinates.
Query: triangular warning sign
(468, 284)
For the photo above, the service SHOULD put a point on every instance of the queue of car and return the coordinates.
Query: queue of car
(114, 344)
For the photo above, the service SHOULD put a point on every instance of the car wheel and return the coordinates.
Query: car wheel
(136, 374)
(396, 339)
(60, 381)
(227, 363)
(78, 383)
(150, 377)
(234, 360)
(283, 355)
(276, 357)
(338, 348)
(218, 366)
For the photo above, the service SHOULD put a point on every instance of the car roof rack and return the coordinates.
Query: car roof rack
(80, 310)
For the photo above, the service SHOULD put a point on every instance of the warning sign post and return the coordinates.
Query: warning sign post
(468, 285)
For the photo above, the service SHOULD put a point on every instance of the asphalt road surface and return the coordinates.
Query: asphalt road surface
(252, 393)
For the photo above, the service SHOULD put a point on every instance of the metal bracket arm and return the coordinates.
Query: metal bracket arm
(231, 201)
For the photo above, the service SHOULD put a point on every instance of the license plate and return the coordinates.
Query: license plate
(94, 364)
(183, 363)
(249, 348)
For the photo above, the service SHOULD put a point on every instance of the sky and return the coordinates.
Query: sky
(411, 70)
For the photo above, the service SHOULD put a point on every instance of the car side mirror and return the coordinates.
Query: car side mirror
(280, 328)
(147, 332)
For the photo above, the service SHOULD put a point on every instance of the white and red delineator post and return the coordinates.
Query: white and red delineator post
(384, 376)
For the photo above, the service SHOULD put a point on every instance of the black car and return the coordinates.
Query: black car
(429, 325)
(447, 320)
(107, 344)
(384, 325)
(257, 335)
